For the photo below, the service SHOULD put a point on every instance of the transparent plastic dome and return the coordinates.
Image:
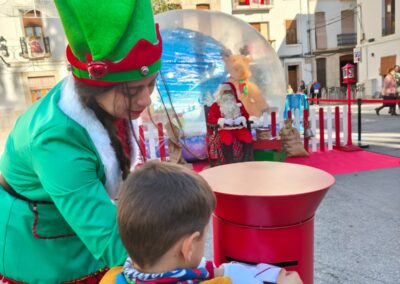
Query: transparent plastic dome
(192, 69)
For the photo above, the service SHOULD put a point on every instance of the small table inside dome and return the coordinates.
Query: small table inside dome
(265, 213)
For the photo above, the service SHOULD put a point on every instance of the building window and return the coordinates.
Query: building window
(203, 6)
(320, 30)
(291, 31)
(251, 4)
(348, 35)
(256, 26)
(39, 86)
(388, 17)
(248, 2)
(321, 71)
(262, 28)
(34, 44)
(293, 74)
(387, 62)
(347, 22)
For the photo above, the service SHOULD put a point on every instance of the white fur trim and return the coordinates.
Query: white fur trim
(135, 157)
(71, 105)
(225, 87)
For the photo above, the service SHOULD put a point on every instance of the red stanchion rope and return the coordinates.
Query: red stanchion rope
(349, 101)
(354, 101)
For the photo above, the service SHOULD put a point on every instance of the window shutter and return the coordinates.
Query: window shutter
(24, 47)
(320, 30)
(291, 31)
(387, 62)
(46, 44)
(347, 22)
(203, 6)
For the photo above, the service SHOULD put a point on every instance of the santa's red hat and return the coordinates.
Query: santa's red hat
(228, 86)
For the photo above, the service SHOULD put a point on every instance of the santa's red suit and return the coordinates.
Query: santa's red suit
(227, 135)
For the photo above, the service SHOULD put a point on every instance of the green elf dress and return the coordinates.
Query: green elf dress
(58, 223)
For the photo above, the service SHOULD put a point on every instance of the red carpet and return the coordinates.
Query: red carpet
(199, 166)
(340, 162)
(337, 162)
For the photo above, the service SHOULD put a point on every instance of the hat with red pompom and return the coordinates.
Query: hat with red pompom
(110, 42)
(228, 87)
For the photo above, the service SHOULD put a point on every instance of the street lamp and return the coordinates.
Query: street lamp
(4, 50)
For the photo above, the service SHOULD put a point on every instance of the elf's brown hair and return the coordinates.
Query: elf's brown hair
(158, 205)
(87, 94)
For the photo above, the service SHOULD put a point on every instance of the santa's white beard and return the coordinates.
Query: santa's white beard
(228, 106)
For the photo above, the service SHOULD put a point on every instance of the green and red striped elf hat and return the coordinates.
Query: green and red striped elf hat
(110, 41)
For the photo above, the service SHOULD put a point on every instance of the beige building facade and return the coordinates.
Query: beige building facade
(32, 60)
(313, 38)
(378, 42)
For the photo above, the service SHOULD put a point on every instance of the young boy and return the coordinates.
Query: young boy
(163, 215)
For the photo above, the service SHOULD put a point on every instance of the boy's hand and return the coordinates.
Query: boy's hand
(289, 277)
(239, 273)
(219, 272)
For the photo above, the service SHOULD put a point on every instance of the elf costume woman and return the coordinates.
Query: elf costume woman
(66, 155)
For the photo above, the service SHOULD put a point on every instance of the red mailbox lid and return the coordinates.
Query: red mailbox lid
(267, 194)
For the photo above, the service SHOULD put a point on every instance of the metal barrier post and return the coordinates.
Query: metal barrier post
(321, 130)
(359, 125)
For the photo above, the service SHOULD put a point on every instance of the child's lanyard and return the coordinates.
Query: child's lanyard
(178, 276)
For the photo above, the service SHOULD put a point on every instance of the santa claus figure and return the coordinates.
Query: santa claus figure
(230, 115)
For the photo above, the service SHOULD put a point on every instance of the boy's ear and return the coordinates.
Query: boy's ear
(188, 245)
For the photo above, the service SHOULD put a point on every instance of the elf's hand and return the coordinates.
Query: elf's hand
(288, 277)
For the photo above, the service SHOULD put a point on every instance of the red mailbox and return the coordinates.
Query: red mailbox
(349, 78)
(265, 213)
(348, 73)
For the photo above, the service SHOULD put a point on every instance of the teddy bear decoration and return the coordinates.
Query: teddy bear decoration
(238, 67)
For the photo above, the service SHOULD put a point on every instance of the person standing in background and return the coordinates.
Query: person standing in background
(388, 92)
(312, 94)
(397, 77)
(290, 90)
(317, 90)
(302, 87)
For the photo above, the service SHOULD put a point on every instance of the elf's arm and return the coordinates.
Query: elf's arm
(69, 171)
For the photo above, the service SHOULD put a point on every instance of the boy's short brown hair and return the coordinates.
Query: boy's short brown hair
(159, 204)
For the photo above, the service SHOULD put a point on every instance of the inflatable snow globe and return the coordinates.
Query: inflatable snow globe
(193, 66)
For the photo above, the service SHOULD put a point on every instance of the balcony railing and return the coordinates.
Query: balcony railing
(35, 47)
(346, 39)
(251, 5)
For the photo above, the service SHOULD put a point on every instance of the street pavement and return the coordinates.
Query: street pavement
(357, 225)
